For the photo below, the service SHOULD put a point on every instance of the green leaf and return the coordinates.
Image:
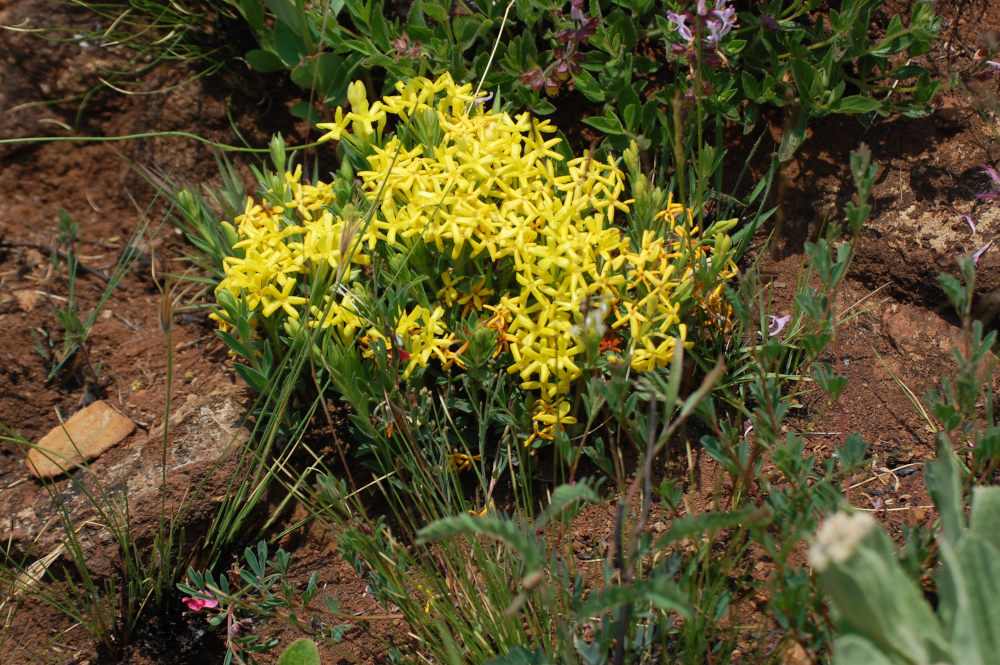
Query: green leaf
(735, 46)
(944, 484)
(435, 11)
(562, 498)
(264, 61)
(608, 124)
(254, 378)
(585, 83)
(467, 29)
(291, 14)
(624, 27)
(518, 655)
(253, 13)
(906, 72)
(695, 525)
(793, 138)
(328, 74)
(380, 29)
(288, 45)
(877, 600)
(306, 111)
(855, 650)
(855, 104)
(503, 530)
(804, 74)
(984, 520)
(975, 621)
(300, 652)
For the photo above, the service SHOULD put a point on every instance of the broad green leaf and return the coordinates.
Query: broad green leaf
(292, 14)
(300, 652)
(985, 518)
(944, 482)
(255, 379)
(855, 104)
(856, 650)
(975, 631)
(264, 61)
(877, 600)
(608, 124)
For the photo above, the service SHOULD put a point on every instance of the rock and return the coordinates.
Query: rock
(87, 434)
(796, 655)
(205, 440)
(27, 299)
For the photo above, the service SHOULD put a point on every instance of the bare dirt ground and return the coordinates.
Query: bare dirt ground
(929, 177)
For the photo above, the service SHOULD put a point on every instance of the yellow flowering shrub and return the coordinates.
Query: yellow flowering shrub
(525, 241)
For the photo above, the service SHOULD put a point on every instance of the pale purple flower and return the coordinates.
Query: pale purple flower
(968, 220)
(777, 324)
(723, 20)
(680, 25)
(702, 8)
(993, 63)
(980, 252)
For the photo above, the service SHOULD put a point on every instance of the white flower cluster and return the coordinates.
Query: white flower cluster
(837, 538)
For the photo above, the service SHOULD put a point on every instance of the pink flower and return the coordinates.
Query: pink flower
(197, 604)
(777, 324)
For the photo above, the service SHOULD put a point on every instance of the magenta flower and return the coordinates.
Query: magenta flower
(198, 604)
(777, 324)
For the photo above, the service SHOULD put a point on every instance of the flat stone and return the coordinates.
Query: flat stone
(27, 299)
(91, 431)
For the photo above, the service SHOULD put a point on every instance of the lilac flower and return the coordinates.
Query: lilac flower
(679, 21)
(993, 63)
(968, 220)
(702, 8)
(777, 324)
(979, 253)
(723, 20)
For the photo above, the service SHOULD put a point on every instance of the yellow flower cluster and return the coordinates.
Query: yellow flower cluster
(275, 252)
(492, 195)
